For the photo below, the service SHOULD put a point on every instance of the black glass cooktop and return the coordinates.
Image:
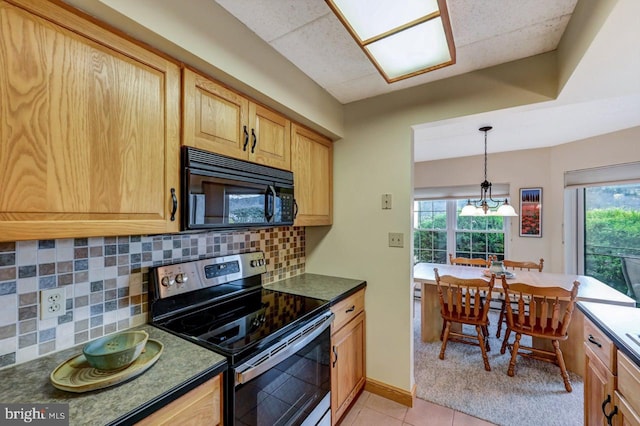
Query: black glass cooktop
(247, 323)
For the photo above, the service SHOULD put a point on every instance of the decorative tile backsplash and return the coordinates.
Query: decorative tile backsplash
(106, 279)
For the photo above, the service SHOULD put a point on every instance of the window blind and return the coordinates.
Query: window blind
(599, 176)
(498, 191)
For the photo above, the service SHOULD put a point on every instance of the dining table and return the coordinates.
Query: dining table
(590, 290)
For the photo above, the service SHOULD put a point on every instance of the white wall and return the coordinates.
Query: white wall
(544, 167)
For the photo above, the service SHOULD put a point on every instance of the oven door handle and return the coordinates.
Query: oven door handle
(281, 351)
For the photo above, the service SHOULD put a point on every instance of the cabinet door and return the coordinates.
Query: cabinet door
(599, 384)
(312, 166)
(626, 415)
(200, 406)
(215, 118)
(89, 141)
(348, 366)
(270, 141)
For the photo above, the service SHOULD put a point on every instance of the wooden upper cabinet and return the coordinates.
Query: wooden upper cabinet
(312, 166)
(270, 141)
(89, 141)
(214, 117)
(219, 120)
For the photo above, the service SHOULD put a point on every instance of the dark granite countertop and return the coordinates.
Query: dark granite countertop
(181, 367)
(324, 287)
(620, 323)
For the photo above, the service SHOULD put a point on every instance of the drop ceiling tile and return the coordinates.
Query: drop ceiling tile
(530, 41)
(473, 20)
(271, 19)
(363, 87)
(324, 51)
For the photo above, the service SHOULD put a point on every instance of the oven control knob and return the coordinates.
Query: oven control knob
(167, 282)
(181, 279)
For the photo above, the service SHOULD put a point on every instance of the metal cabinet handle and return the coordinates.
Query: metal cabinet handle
(610, 416)
(613, 412)
(351, 309)
(335, 356)
(174, 201)
(246, 138)
(591, 339)
(255, 140)
(604, 405)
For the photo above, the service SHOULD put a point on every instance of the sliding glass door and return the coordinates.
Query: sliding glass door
(610, 217)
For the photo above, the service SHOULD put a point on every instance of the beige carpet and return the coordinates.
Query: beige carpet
(534, 396)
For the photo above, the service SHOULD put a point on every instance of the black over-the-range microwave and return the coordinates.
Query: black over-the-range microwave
(220, 192)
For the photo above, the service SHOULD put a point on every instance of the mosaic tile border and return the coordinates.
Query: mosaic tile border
(106, 281)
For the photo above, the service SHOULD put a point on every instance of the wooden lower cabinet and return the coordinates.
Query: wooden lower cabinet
(599, 375)
(627, 396)
(348, 372)
(599, 385)
(200, 406)
(611, 382)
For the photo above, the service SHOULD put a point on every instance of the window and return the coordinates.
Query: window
(430, 235)
(611, 232)
(440, 230)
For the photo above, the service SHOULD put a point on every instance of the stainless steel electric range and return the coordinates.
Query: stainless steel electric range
(277, 344)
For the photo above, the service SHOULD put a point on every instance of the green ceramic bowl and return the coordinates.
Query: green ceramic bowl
(115, 351)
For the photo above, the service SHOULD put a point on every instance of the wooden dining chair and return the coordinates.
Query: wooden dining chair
(465, 261)
(547, 316)
(461, 302)
(515, 265)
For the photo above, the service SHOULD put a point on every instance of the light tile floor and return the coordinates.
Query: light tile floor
(373, 410)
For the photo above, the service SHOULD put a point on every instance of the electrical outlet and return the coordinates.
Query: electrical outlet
(396, 239)
(52, 303)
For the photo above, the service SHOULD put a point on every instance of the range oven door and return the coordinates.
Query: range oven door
(288, 383)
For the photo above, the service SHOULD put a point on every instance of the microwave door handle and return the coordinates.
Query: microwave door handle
(269, 201)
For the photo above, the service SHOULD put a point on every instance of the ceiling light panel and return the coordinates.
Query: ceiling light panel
(369, 19)
(401, 40)
(412, 50)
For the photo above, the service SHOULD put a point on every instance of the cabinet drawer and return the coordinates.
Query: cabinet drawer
(347, 309)
(601, 345)
(629, 381)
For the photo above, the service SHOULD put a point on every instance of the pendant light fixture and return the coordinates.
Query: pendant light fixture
(486, 205)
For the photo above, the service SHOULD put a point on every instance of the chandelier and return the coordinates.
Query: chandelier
(486, 205)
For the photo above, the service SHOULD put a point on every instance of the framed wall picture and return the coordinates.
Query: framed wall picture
(531, 212)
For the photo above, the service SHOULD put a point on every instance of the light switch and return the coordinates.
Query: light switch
(386, 201)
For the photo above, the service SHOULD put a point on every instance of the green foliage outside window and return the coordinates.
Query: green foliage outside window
(474, 236)
(609, 235)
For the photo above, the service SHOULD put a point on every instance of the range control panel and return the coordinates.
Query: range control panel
(190, 276)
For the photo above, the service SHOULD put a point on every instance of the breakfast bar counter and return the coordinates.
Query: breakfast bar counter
(590, 290)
